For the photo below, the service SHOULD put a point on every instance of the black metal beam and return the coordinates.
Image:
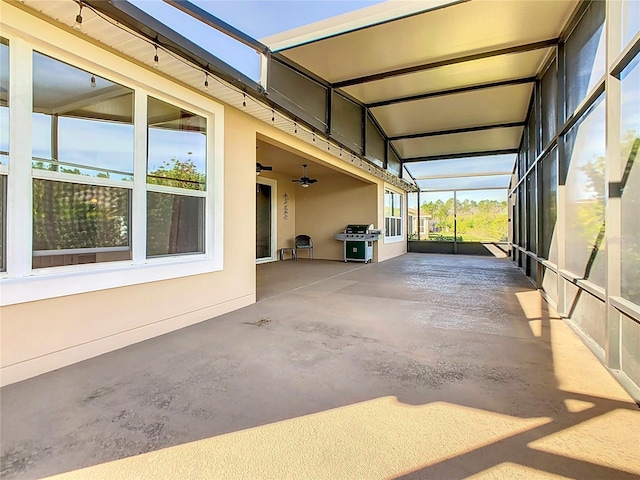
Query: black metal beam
(452, 156)
(457, 130)
(207, 18)
(453, 91)
(157, 33)
(443, 63)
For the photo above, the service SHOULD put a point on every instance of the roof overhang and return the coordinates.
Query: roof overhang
(452, 80)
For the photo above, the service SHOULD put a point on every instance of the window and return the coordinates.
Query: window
(82, 159)
(585, 196)
(176, 180)
(4, 145)
(111, 181)
(392, 215)
(4, 103)
(548, 191)
(630, 182)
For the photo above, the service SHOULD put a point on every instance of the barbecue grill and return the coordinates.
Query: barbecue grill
(358, 242)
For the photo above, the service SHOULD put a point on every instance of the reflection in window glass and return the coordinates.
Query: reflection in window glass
(83, 125)
(437, 210)
(548, 188)
(630, 148)
(175, 224)
(4, 102)
(585, 202)
(392, 214)
(75, 223)
(177, 155)
(482, 216)
(84, 122)
(585, 55)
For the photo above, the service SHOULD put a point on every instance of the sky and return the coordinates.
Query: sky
(256, 18)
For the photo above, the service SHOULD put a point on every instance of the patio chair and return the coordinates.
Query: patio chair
(304, 242)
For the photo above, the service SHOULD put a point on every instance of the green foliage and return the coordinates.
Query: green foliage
(174, 221)
(484, 221)
(630, 238)
(178, 173)
(72, 215)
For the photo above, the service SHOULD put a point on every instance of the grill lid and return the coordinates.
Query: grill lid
(358, 228)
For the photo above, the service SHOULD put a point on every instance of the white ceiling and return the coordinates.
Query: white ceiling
(464, 39)
(477, 72)
(489, 106)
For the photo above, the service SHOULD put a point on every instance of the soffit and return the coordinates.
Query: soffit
(287, 163)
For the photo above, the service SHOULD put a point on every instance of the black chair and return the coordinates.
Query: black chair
(304, 242)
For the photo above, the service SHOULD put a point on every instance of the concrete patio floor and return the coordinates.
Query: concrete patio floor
(424, 366)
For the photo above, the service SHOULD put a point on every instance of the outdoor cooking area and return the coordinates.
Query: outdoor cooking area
(358, 242)
(335, 214)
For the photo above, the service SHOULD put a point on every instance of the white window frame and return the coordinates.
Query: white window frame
(20, 283)
(395, 238)
(183, 192)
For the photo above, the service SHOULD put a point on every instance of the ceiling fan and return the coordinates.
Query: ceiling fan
(304, 181)
(260, 167)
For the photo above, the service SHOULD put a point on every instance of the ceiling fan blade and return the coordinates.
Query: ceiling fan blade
(304, 180)
(260, 167)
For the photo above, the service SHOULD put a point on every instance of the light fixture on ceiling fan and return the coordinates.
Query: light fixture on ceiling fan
(260, 167)
(304, 181)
